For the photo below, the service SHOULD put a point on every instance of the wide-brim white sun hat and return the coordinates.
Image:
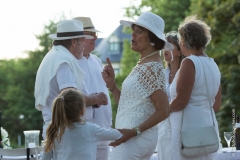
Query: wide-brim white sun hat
(153, 23)
(69, 29)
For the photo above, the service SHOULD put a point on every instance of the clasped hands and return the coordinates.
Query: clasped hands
(101, 99)
(126, 135)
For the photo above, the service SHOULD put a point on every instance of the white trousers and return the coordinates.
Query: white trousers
(176, 124)
(164, 149)
(137, 148)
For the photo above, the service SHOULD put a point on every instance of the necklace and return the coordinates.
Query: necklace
(141, 59)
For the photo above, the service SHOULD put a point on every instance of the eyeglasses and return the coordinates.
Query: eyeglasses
(91, 33)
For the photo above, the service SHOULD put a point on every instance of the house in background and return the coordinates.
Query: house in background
(112, 47)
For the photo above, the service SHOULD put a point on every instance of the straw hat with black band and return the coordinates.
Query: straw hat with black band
(69, 29)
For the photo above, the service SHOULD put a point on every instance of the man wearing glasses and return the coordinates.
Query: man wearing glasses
(92, 66)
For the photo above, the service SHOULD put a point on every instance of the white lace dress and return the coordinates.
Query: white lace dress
(135, 105)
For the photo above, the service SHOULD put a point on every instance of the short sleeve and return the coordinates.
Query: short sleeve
(65, 77)
(103, 134)
(151, 78)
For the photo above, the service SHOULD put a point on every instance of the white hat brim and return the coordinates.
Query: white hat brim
(54, 37)
(92, 30)
(167, 46)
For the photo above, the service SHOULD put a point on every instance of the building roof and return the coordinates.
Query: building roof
(103, 48)
(98, 41)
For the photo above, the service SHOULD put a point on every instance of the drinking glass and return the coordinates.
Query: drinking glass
(228, 137)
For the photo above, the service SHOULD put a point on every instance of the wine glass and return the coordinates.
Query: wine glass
(228, 137)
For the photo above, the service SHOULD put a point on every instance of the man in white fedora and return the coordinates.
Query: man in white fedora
(92, 66)
(59, 70)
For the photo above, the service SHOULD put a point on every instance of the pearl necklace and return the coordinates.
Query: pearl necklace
(141, 59)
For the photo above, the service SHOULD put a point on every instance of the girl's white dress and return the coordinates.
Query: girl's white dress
(80, 142)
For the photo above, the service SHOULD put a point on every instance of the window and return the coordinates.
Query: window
(114, 44)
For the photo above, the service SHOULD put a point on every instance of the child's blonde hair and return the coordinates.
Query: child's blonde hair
(66, 110)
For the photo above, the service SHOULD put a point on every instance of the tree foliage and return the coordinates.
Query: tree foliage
(172, 11)
(224, 20)
(17, 82)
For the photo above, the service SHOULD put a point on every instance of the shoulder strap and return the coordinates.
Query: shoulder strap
(207, 90)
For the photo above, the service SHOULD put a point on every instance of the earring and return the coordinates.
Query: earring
(152, 43)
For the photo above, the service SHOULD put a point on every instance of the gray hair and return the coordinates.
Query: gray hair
(194, 33)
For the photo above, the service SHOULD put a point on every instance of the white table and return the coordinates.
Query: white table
(228, 154)
(223, 154)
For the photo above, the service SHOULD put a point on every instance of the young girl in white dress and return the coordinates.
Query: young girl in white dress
(68, 135)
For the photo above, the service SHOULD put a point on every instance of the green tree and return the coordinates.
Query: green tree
(224, 20)
(17, 89)
(172, 11)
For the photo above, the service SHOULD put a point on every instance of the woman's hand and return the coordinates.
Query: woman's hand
(127, 134)
(108, 75)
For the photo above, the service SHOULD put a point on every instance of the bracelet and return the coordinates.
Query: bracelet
(111, 90)
(137, 131)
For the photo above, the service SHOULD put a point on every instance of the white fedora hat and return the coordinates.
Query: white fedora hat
(87, 24)
(153, 23)
(69, 29)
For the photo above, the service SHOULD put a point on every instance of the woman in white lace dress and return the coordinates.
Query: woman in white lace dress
(188, 90)
(143, 102)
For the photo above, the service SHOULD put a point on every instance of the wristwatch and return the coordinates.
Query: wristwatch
(137, 130)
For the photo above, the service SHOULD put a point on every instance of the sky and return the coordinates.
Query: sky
(21, 20)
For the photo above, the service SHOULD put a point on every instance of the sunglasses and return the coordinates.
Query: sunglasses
(172, 34)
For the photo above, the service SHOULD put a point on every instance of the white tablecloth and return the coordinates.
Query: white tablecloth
(228, 154)
(223, 154)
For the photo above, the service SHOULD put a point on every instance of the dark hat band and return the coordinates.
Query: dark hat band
(70, 34)
(89, 27)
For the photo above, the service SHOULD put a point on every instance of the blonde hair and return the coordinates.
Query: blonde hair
(66, 110)
(194, 33)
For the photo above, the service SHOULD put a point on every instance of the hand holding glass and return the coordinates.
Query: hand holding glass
(228, 137)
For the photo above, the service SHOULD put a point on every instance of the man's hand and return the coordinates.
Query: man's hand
(101, 99)
(96, 99)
